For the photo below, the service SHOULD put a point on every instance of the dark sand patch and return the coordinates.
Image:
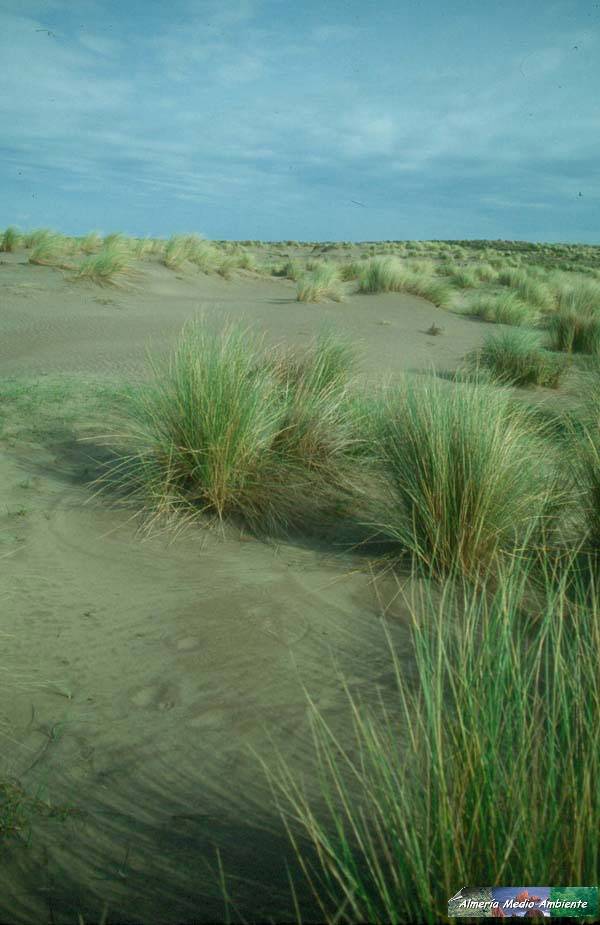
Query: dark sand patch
(147, 671)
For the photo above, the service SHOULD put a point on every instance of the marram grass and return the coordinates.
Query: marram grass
(91, 242)
(10, 239)
(104, 267)
(482, 768)
(469, 475)
(575, 330)
(502, 308)
(50, 250)
(228, 429)
(515, 357)
(321, 284)
(388, 274)
(584, 459)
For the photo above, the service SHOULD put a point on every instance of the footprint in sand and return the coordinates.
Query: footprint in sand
(156, 697)
(187, 643)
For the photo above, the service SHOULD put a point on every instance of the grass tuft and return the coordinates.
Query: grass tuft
(575, 331)
(289, 270)
(49, 251)
(10, 240)
(177, 252)
(494, 729)
(91, 243)
(225, 429)
(105, 267)
(387, 274)
(505, 308)
(516, 358)
(321, 284)
(466, 470)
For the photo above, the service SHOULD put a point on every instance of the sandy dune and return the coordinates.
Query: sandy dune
(50, 324)
(142, 673)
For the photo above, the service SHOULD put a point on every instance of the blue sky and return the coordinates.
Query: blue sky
(314, 120)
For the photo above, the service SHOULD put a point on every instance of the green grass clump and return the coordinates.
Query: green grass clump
(10, 239)
(351, 271)
(492, 729)
(114, 240)
(203, 254)
(142, 247)
(581, 296)
(32, 238)
(104, 267)
(291, 269)
(387, 274)
(584, 457)
(177, 252)
(516, 358)
(183, 248)
(486, 273)
(50, 251)
(505, 308)
(18, 809)
(434, 290)
(530, 290)
(466, 469)
(575, 331)
(245, 260)
(463, 277)
(382, 274)
(225, 266)
(222, 430)
(321, 284)
(91, 243)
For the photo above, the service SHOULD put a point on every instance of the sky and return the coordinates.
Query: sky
(309, 120)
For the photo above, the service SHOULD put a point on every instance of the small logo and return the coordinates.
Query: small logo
(524, 902)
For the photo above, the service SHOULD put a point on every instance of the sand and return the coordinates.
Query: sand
(50, 324)
(140, 675)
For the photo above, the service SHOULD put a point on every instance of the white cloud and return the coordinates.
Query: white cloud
(218, 103)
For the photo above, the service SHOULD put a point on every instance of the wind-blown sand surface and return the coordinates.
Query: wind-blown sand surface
(50, 324)
(139, 675)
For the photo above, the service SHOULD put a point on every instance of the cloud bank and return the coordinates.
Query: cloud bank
(253, 120)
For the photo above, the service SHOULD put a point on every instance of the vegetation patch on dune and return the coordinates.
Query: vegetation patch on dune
(575, 331)
(503, 308)
(387, 274)
(50, 250)
(10, 239)
(227, 430)
(468, 475)
(393, 830)
(321, 284)
(105, 267)
(516, 358)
